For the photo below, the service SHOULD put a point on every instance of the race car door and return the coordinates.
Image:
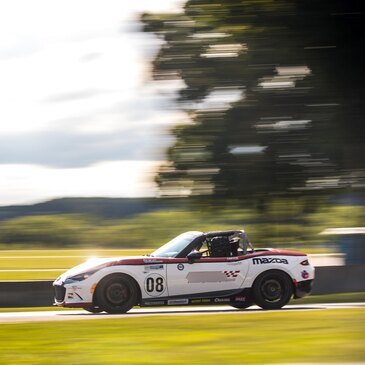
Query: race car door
(206, 276)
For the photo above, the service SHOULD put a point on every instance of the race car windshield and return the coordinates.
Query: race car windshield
(176, 245)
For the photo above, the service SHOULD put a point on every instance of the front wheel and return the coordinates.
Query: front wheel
(272, 290)
(117, 293)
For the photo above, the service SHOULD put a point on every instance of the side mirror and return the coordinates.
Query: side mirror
(193, 256)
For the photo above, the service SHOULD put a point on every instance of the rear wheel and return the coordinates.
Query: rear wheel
(117, 293)
(272, 290)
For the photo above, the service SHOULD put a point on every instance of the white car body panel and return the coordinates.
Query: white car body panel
(172, 281)
(205, 277)
(193, 279)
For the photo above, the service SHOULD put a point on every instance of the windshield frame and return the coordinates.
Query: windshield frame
(178, 244)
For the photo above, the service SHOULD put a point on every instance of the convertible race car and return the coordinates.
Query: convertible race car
(194, 268)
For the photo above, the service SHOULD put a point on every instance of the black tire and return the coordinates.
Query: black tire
(272, 290)
(117, 293)
(93, 309)
(242, 305)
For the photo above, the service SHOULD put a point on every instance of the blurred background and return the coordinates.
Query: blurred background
(125, 124)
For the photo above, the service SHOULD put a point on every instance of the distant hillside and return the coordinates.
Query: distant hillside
(104, 207)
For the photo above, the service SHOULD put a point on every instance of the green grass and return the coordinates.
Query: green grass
(30, 276)
(48, 264)
(331, 298)
(256, 338)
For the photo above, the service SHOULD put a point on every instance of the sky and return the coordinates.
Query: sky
(79, 112)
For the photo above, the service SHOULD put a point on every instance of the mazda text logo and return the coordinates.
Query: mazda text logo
(269, 260)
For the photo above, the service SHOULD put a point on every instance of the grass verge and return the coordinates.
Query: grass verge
(49, 264)
(272, 337)
(331, 298)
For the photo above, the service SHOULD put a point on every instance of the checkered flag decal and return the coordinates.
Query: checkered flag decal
(231, 274)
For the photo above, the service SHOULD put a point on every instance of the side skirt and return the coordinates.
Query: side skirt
(241, 296)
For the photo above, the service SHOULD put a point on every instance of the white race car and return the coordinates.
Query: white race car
(194, 268)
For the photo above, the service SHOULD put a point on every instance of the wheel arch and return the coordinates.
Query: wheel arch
(120, 274)
(273, 289)
(273, 271)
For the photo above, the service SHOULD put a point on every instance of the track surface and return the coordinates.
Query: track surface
(60, 315)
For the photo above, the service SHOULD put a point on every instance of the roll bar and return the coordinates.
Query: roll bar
(241, 234)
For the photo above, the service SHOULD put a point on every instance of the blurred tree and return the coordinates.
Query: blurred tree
(274, 92)
(46, 230)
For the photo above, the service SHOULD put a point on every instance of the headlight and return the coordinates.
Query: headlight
(84, 275)
(80, 277)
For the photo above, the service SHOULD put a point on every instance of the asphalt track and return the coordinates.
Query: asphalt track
(67, 315)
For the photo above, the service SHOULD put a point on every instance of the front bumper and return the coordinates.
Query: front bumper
(303, 288)
(68, 297)
(60, 292)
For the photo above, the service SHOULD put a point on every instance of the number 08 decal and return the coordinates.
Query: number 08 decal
(154, 285)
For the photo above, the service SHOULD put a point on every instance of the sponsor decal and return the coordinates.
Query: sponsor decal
(80, 297)
(221, 300)
(305, 274)
(235, 263)
(74, 288)
(154, 285)
(154, 267)
(199, 301)
(152, 261)
(231, 274)
(240, 299)
(156, 302)
(180, 267)
(178, 301)
(210, 276)
(70, 295)
(269, 260)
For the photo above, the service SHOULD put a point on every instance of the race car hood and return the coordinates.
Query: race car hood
(88, 265)
(95, 263)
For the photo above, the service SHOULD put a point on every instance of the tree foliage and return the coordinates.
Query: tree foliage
(285, 222)
(274, 92)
